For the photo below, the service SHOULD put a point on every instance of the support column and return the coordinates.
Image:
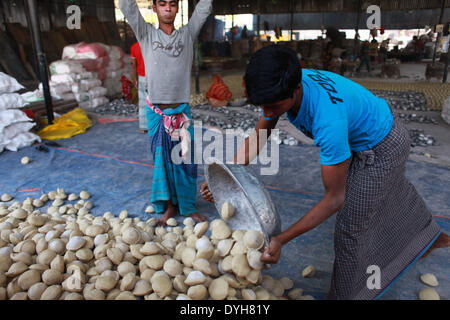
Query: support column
(258, 25)
(358, 15)
(292, 20)
(444, 79)
(42, 63)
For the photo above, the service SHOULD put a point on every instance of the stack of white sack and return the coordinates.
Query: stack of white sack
(109, 62)
(63, 75)
(119, 65)
(70, 80)
(92, 56)
(14, 123)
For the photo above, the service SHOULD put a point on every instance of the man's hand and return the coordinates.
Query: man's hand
(273, 252)
(206, 194)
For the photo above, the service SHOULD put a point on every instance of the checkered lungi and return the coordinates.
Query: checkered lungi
(384, 221)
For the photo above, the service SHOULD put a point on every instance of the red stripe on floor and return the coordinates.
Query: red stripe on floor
(107, 120)
(29, 190)
(107, 157)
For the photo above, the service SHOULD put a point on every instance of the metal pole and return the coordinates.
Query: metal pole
(36, 34)
(258, 26)
(126, 35)
(3, 16)
(196, 60)
(355, 53)
(182, 12)
(439, 34)
(444, 80)
(292, 20)
(49, 15)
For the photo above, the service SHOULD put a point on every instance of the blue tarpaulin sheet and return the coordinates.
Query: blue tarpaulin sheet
(114, 164)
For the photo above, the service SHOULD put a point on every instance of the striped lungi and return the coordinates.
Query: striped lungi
(384, 221)
(171, 181)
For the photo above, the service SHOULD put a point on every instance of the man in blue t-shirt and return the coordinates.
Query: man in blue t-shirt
(339, 114)
(381, 219)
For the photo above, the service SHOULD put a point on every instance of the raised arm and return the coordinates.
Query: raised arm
(199, 16)
(131, 12)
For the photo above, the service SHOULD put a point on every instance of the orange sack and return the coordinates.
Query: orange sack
(219, 90)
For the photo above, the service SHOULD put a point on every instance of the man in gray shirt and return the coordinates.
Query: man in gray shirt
(168, 54)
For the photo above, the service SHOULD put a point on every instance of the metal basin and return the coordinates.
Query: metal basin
(254, 207)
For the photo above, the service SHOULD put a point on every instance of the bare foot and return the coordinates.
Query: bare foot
(143, 131)
(198, 217)
(170, 212)
(443, 241)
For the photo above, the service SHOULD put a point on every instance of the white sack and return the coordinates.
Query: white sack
(11, 101)
(8, 84)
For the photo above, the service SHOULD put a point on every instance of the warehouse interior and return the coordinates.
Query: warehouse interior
(76, 88)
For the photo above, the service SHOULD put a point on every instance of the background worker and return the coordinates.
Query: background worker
(373, 51)
(140, 82)
(364, 56)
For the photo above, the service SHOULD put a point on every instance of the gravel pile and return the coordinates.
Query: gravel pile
(118, 107)
(417, 118)
(243, 122)
(235, 120)
(407, 100)
(418, 138)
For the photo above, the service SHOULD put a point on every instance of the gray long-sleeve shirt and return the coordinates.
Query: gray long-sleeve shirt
(168, 58)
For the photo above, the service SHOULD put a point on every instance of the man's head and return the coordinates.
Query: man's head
(273, 75)
(166, 10)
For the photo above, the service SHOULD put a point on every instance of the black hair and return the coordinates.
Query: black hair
(154, 2)
(272, 75)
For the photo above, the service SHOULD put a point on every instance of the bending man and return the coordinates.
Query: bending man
(381, 219)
